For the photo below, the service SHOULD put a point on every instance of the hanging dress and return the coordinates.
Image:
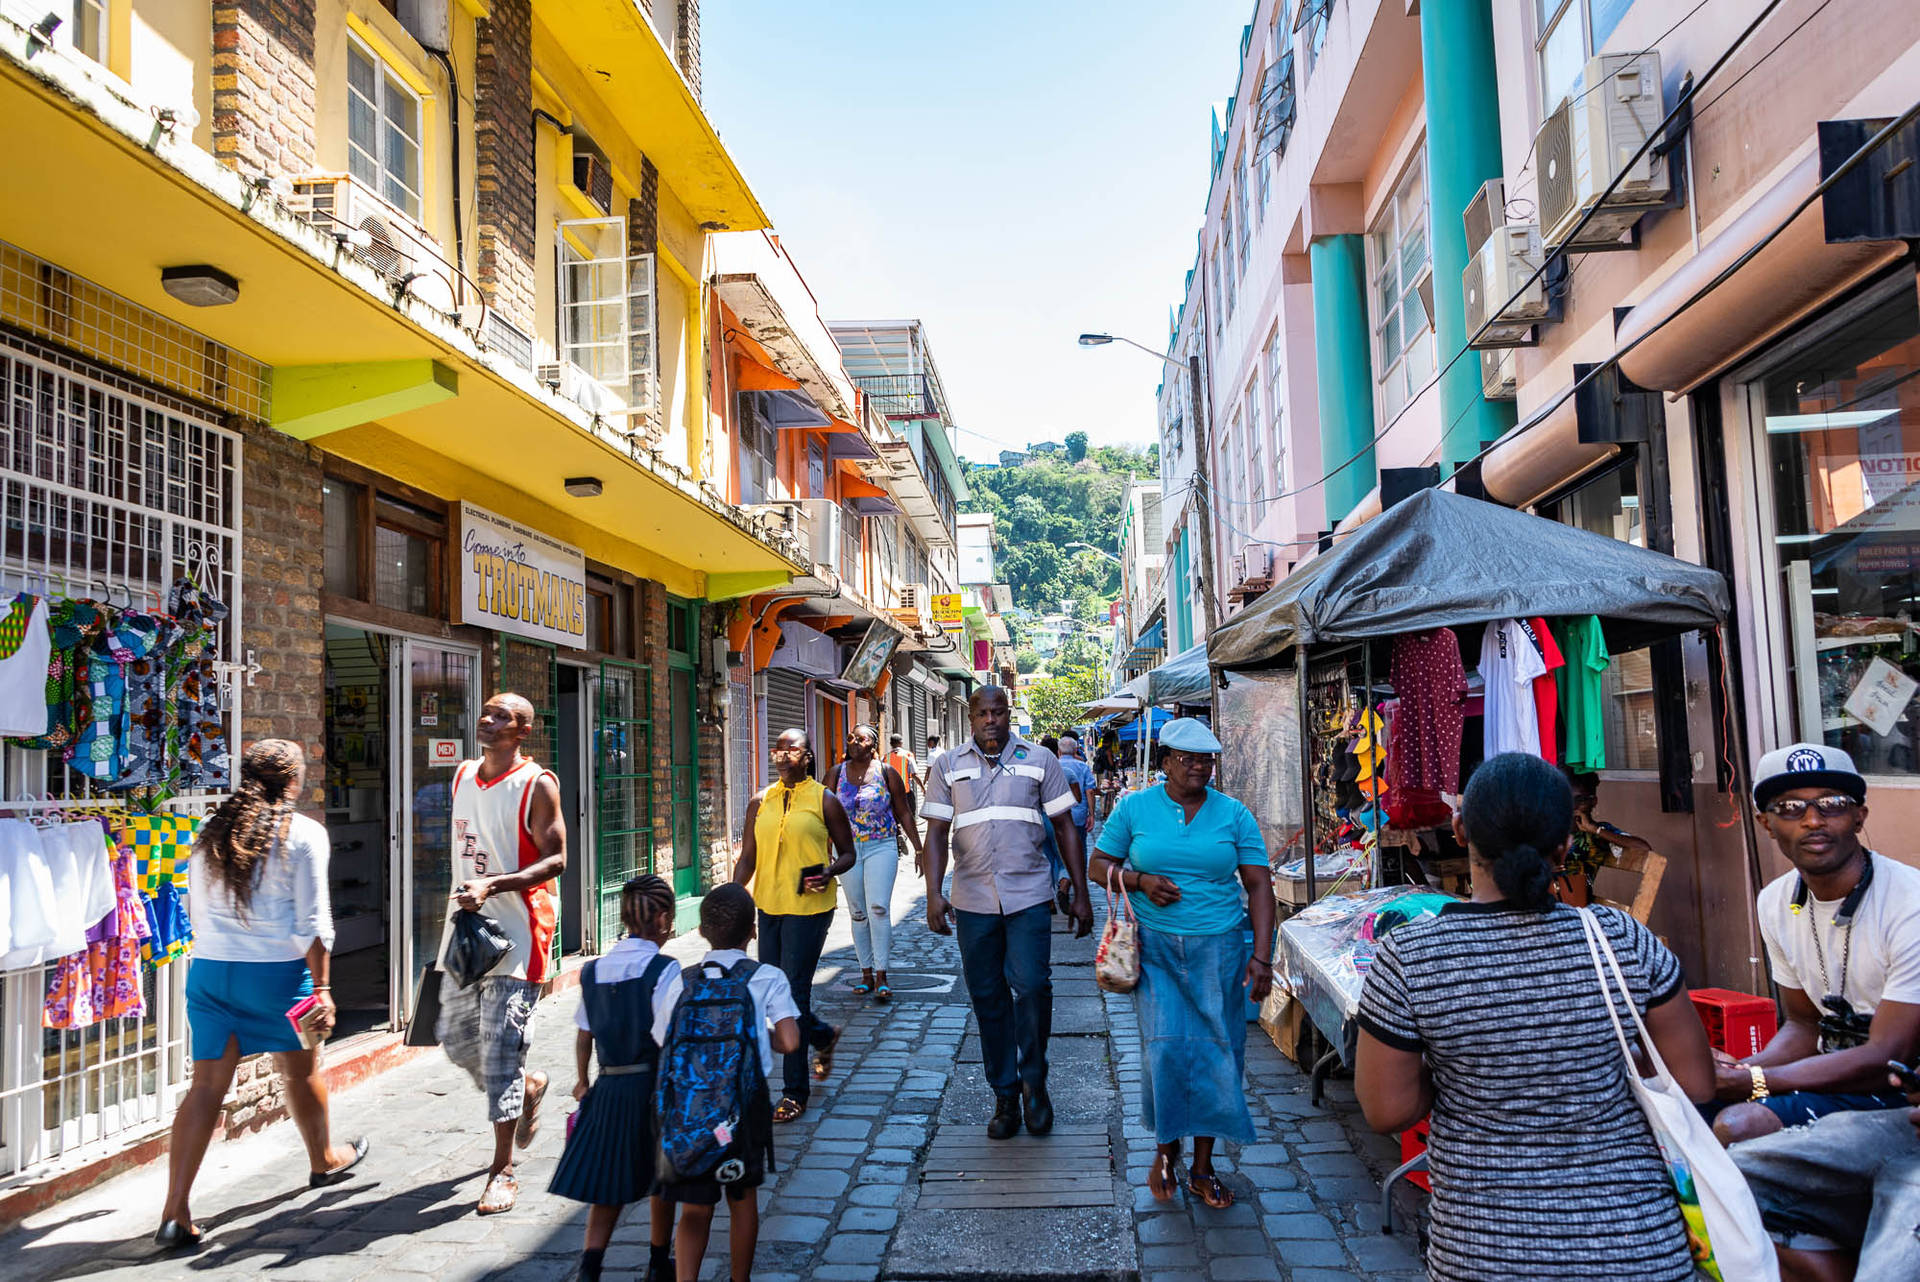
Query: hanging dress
(105, 982)
(74, 627)
(200, 758)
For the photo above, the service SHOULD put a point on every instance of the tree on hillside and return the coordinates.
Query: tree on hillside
(1076, 446)
(1054, 704)
(1026, 659)
(1045, 504)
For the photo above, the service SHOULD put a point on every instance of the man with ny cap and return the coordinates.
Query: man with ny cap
(995, 796)
(1842, 931)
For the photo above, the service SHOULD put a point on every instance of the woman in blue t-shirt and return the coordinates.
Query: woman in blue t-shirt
(1195, 869)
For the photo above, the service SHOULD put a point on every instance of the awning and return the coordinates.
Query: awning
(1537, 458)
(1185, 678)
(853, 446)
(1153, 637)
(1439, 559)
(1130, 733)
(1115, 702)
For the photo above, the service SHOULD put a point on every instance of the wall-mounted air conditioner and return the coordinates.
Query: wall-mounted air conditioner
(822, 518)
(1500, 313)
(374, 232)
(1497, 374)
(579, 387)
(1586, 143)
(1253, 565)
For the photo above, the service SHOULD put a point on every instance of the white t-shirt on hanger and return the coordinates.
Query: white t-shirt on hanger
(1509, 662)
(23, 673)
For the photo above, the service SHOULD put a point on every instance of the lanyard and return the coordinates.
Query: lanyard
(1842, 920)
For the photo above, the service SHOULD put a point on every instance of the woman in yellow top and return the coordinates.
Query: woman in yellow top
(797, 823)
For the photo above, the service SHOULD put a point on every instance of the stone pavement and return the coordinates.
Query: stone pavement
(844, 1206)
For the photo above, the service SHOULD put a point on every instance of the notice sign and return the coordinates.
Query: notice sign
(517, 580)
(946, 609)
(443, 752)
(1881, 696)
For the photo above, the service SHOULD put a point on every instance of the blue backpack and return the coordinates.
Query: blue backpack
(710, 1101)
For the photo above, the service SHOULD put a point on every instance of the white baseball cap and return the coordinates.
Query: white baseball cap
(1805, 765)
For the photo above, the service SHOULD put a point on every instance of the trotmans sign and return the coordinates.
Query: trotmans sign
(517, 580)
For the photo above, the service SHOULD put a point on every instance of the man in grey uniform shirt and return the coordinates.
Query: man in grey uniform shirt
(993, 795)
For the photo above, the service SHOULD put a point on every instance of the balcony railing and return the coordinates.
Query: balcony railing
(900, 396)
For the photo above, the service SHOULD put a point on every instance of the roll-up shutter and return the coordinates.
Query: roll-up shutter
(786, 702)
(917, 718)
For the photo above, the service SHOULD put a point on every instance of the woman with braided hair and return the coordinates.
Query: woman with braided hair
(263, 935)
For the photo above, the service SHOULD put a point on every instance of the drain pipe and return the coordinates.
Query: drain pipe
(453, 128)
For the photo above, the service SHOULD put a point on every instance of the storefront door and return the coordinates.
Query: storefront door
(436, 733)
(623, 786)
(684, 743)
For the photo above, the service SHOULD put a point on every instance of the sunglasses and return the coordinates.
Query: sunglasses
(1831, 807)
(1191, 760)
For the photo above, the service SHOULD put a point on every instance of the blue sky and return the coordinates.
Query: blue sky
(1010, 173)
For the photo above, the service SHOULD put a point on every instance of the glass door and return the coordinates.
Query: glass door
(436, 734)
(623, 784)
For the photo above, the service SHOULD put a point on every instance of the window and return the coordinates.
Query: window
(1219, 318)
(816, 470)
(1266, 183)
(1240, 181)
(1313, 30)
(606, 312)
(340, 519)
(1840, 427)
(1276, 409)
(1398, 262)
(383, 131)
(382, 549)
(1226, 248)
(85, 30)
(1256, 462)
(758, 474)
(1572, 31)
(609, 616)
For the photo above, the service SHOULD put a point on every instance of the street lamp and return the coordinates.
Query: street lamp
(1203, 484)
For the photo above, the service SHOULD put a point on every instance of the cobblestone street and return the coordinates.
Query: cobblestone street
(845, 1205)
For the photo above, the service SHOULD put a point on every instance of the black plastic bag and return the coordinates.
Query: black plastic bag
(477, 947)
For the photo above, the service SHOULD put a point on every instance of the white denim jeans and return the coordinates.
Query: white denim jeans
(869, 891)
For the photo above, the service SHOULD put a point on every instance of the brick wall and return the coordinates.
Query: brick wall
(503, 147)
(687, 53)
(263, 85)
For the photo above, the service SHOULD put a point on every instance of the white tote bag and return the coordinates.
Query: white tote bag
(1723, 1223)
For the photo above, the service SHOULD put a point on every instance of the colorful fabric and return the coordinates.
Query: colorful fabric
(162, 844)
(1432, 685)
(74, 627)
(105, 981)
(13, 626)
(200, 757)
(868, 804)
(100, 747)
(1581, 699)
(151, 731)
(170, 931)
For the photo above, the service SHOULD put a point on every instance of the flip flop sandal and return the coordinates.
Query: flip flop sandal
(321, 1179)
(883, 993)
(861, 988)
(1162, 1178)
(1210, 1190)
(529, 1124)
(502, 1191)
(788, 1110)
(823, 1058)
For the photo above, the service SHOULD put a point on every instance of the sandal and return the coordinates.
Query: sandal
(502, 1191)
(788, 1110)
(823, 1058)
(1162, 1178)
(1210, 1190)
(861, 988)
(529, 1124)
(321, 1179)
(883, 993)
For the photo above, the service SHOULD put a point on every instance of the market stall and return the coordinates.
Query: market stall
(1370, 645)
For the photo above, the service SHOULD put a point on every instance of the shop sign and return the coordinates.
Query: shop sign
(946, 608)
(443, 752)
(517, 580)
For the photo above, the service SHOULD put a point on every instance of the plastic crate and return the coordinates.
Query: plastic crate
(1737, 1023)
(1413, 1142)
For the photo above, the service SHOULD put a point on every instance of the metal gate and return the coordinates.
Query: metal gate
(917, 719)
(786, 702)
(108, 490)
(623, 782)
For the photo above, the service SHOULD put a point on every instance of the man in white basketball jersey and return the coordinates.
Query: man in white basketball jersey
(509, 847)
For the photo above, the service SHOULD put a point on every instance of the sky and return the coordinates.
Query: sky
(1012, 174)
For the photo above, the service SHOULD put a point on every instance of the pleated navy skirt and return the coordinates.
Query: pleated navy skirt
(609, 1159)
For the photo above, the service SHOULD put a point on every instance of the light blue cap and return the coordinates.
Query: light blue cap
(1188, 734)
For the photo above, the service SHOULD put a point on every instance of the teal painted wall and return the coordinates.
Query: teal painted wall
(1179, 620)
(1463, 151)
(1343, 343)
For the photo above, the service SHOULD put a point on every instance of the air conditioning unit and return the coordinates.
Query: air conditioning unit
(779, 520)
(376, 233)
(1487, 210)
(1586, 143)
(822, 518)
(1253, 565)
(910, 598)
(1497, 374)
(580, 387)
(1496, 316)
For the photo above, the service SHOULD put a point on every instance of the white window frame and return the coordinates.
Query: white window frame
(382, 163)
(84, 30)
(759, 467)
(1276, 408)
(1265, 168)
(1552, 19)
(1389, 274)
(1256, 464)
(592, 316)
(1229, 276)
(1242, 176)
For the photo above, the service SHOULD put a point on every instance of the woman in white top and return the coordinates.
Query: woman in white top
(263, 932)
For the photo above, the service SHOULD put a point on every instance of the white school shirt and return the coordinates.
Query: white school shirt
(626, 960)
(772, 997)
(1509, 662)
(1885, 961)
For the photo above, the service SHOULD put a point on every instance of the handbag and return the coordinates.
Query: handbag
(478, 945)
(1724, 1229)
(1116, 962)
(423, 1026)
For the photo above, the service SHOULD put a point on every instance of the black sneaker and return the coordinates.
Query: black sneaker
(1005, 1123)
(1039, 1110)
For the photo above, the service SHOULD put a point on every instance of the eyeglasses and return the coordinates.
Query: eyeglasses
(788, 752)
(1190, 760)
(1832, 807)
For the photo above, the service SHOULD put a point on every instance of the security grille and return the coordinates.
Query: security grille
(109, 491)
(623, 743)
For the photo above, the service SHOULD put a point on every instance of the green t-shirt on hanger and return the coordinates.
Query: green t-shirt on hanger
(1585, 649)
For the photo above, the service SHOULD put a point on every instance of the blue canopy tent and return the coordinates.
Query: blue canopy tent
(1130, 733)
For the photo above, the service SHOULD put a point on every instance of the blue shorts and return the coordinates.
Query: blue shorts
(247, 1000)
(1797, 1108)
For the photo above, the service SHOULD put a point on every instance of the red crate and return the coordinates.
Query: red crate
(1413, 1142)
(1737, 1023)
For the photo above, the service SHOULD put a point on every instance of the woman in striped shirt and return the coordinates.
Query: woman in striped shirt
(1489, 1018)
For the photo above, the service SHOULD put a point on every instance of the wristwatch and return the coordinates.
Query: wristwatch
(1760, 1090)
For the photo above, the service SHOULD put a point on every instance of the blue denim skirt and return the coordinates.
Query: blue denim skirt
(1193, 1027)
(247, 1001)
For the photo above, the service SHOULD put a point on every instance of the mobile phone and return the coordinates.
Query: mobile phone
(810, 872)
(1909, 1078)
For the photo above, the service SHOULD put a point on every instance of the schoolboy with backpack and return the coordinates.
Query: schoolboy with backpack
(720, 1024)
